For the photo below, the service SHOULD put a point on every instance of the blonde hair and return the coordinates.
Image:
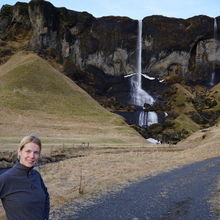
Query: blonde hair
(29, 139)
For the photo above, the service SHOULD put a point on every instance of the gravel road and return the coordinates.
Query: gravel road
(181, 194)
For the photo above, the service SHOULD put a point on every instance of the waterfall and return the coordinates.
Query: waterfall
(147, 118)
(152, 118)
(139, 97)
(212, 80)
(142, 121)
(139, 56)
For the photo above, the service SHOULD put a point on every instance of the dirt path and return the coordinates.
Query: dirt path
(181, 194)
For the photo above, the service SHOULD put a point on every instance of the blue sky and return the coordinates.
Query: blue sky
(138, 9)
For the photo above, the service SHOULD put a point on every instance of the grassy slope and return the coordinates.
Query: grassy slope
(215, 92)
(36, 98)
(182, 106)
(33, 84)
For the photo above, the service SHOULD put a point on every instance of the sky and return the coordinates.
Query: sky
(138, 9)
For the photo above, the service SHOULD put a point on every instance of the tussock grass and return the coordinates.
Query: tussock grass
(180, 99)
(183, 121)
(215, 92)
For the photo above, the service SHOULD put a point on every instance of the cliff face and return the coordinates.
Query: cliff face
(171, 45)
(108, 44)
(99, 52)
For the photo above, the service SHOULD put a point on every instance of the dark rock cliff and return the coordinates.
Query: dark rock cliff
(170, 44)
(108, 44)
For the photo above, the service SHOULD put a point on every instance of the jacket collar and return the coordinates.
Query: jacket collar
(21, 169)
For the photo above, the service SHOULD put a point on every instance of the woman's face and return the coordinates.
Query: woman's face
(29, 155)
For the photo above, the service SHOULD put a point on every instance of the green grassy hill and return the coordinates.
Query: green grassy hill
(191, 108)
(36, 98)
(30, 83)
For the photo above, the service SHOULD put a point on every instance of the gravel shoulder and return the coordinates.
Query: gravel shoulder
(180, 194)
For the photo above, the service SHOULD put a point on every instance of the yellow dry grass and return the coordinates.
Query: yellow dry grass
(102, 173)
(56, 131)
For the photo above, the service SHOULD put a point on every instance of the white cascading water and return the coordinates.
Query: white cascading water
(143, 119)
(212, 81)
(147, 118)
(139, 96)
(152, 118)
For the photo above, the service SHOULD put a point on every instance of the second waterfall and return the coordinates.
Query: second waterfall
(140, 97)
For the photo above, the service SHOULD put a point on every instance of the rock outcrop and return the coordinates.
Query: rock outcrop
(108, 44)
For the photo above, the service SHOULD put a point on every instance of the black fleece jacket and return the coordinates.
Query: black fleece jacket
(23, 194)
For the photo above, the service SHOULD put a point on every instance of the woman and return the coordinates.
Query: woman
(22, 190)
